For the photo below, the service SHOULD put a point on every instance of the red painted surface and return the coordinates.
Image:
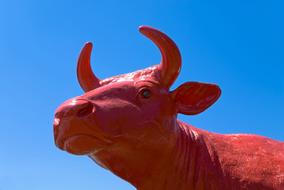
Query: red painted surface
(128, 125)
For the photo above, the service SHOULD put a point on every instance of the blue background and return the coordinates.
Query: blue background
(236, 44)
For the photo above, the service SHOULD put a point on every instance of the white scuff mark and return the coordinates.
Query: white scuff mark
(194, 134)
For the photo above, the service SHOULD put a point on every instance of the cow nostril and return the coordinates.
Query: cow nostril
(59, 114)
(85, 110)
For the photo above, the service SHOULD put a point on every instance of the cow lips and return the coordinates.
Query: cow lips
(82, 144)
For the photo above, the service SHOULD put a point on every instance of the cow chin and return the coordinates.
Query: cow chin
(82, 144)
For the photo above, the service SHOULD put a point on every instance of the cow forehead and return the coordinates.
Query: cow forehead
(150, 73)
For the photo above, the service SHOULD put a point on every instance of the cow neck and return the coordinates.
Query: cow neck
(139, 162)
(188, 166)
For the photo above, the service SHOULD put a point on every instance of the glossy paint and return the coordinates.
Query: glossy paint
(128, 125)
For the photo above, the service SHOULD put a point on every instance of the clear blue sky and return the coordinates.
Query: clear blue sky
(236, 44)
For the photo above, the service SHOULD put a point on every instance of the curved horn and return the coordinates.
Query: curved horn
(87, 80)
(171, 59)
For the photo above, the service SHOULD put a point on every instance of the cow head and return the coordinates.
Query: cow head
(129, 109)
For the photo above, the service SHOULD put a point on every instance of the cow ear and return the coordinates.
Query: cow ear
(193, 97)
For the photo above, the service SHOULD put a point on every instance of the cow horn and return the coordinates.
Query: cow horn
(171, 59)
(87, 79)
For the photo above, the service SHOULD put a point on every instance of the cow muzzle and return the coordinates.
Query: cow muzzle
(73, 127)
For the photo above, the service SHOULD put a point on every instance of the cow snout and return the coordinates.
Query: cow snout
(69, 111)
(74, 108)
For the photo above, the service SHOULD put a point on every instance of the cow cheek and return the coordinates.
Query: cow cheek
(109, 125)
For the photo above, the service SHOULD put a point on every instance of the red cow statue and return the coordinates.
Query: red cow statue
(128, 125)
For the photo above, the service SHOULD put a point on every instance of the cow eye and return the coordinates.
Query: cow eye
(145, 93)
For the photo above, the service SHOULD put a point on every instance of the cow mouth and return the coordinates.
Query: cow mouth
(81, 144)
(78, 137)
